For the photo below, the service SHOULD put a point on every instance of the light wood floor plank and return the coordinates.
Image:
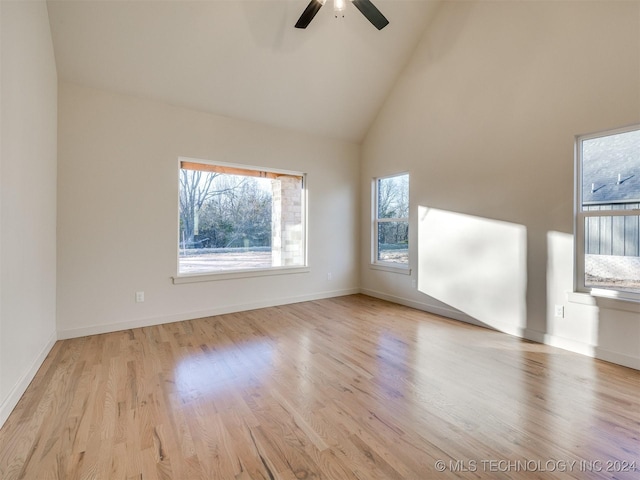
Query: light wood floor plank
(349, 388)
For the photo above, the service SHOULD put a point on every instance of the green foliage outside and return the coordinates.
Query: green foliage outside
(224, 211)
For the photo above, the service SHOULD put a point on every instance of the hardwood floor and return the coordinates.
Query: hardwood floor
(344, 388)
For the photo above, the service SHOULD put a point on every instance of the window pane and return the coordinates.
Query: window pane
(393, 242)
(612, 249)
(393, 197)
(234, 222)
(611, 169)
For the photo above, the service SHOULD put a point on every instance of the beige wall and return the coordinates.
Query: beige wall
(484, 118)
(27, 197)
(118, 211)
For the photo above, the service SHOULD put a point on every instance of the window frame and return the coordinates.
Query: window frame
(213, 275)
(377, 264)
(581, 215)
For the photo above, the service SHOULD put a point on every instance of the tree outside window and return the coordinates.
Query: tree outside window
(237, 218)
(391, 220)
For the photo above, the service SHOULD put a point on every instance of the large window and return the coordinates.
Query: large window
(608, 213)
(238, 218)
(391, 221)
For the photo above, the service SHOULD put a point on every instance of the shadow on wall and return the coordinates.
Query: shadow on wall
(476, 265)
(577, 322)
(604, 327)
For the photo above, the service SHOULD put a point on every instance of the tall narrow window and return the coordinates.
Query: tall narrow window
(238, 218)
(391, 220)
(608, 213)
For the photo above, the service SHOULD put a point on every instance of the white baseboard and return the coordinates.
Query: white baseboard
(583, 349)
(443, 311)
(617, 358)
(10, 402)
(560, 342)
(147, 322)
(533, 335)
(528, 334)
(407, 302)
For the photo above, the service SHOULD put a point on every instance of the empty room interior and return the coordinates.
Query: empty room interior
(285, 239)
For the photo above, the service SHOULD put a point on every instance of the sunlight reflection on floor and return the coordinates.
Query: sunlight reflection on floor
(209, 373)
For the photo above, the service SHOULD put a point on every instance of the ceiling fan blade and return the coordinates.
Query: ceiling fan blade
(309, 13)
(370, 11)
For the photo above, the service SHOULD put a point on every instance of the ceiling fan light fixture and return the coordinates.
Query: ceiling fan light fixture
(367, 9)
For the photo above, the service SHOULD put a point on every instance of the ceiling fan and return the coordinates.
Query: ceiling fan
(367, 8)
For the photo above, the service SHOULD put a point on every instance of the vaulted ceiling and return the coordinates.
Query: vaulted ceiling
(242, 59)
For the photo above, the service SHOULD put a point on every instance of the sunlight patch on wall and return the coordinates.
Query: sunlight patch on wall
(476, 265)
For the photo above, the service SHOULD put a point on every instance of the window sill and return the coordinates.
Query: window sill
(390, 268)
(609, 299)
(236, 274)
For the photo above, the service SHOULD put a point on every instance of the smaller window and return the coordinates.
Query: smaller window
(391, 221)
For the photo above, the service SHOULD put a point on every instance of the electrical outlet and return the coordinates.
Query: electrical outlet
(329, 276)
(139, 297)
(559, 311)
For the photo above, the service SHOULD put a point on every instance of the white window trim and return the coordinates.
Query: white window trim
(376, 264)
(581, 215)
(184, 278)
(387, 267)
(236, 274)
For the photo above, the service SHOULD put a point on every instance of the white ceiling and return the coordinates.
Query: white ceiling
(242, 58)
